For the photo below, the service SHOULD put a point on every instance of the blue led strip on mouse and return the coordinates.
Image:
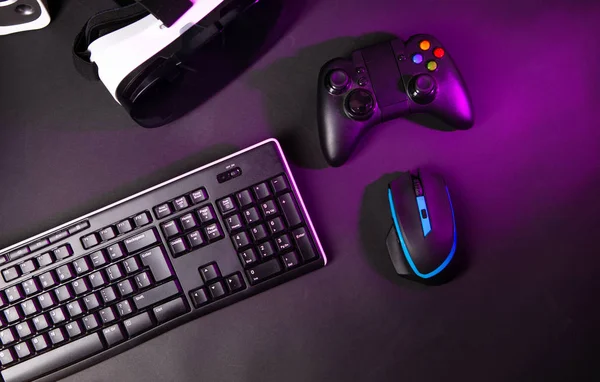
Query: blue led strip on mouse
(405, 249)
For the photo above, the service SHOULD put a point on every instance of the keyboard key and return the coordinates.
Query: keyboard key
(40, 322)
(261, 191)
(126, 287)
(10, 274)
(7, 336)
(28, 266)
(98, 259)
(63, 293)
(75, 308)
(235, 282)
(213, 232)
(199, 196)
(248, 257)
(39, 244)
(279, 184)
(169, 310)
(24, 329)
(263, 271)
(97, 279)
(47, 300)
(108, 294)
(45, 259)
(131, 265)
(124, 226)
(244, 198)
(23, 350)
(90, 322)
(251, 215)
(124, 308)
(79, 227)
(7, 357)
(217, 290)
(62, 252)
(240, 240)
(115, 251)
(141, 241)
(276, 225)
(3, 259)
(290, 211)
(57, 336)
(163, 210)
(258, 232)
(155, 295)
(91, 301)
(80, 286)
(30, 287)
(226, 205)
(47, 280)
(113, 334)
(114, 272)
(81, 265)
(181, 203)
(206, 214)
(199, 297)
(210, 272)
(304, 244)
(188, 221)
(269, 208)
(108, 233)
(142, 219)
(74, 329)
(142, 280)
(65, 273)
(195, 239)
(170, 228)
(283, 243)
(138, 324)
(290, 260)
(14, 294)
(18, 253)
(157, 261)
(58, 236)
(12, 314)
(233, 223)
(54, 360)
(90, 241)
(178, 246)
(107, 315)
(58, 315)
(3, 301)
(40, 343)
(266, 249)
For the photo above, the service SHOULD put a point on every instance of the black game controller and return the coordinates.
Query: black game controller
(387, 81)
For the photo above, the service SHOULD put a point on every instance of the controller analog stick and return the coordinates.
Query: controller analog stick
(360, 103)
(422, 88)
(338, 81)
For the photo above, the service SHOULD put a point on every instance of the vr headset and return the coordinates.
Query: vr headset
(23, 15)
(143, 51)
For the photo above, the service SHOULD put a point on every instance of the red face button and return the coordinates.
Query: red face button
(438, 52)
(424, 45)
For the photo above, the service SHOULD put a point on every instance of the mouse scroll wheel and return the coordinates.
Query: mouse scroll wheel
(417, 186)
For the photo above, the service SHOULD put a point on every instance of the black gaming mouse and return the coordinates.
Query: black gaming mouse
(422, 239)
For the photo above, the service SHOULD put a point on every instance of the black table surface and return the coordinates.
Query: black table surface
(525, 180)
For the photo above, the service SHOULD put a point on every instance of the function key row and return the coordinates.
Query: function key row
(180, 203)
(35, 263)
(215, 286)
(120, 228)
(44, 242)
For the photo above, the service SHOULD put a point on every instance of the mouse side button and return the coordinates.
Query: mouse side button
(395, 251)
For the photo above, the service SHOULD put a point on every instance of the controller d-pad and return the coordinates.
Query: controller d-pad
(360, 103)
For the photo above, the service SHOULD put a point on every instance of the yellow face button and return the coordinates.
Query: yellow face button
(432, 66)
(425, 45)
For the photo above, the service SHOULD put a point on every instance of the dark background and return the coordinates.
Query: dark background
(525, 179)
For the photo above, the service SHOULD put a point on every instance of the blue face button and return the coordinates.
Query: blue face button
(417, 58)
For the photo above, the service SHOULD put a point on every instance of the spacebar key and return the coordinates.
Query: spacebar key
(54, 360)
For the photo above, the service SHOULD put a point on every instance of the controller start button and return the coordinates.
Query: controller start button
(432, 66)
(424, 45)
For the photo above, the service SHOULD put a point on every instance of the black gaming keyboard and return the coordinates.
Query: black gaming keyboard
(96, 286)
